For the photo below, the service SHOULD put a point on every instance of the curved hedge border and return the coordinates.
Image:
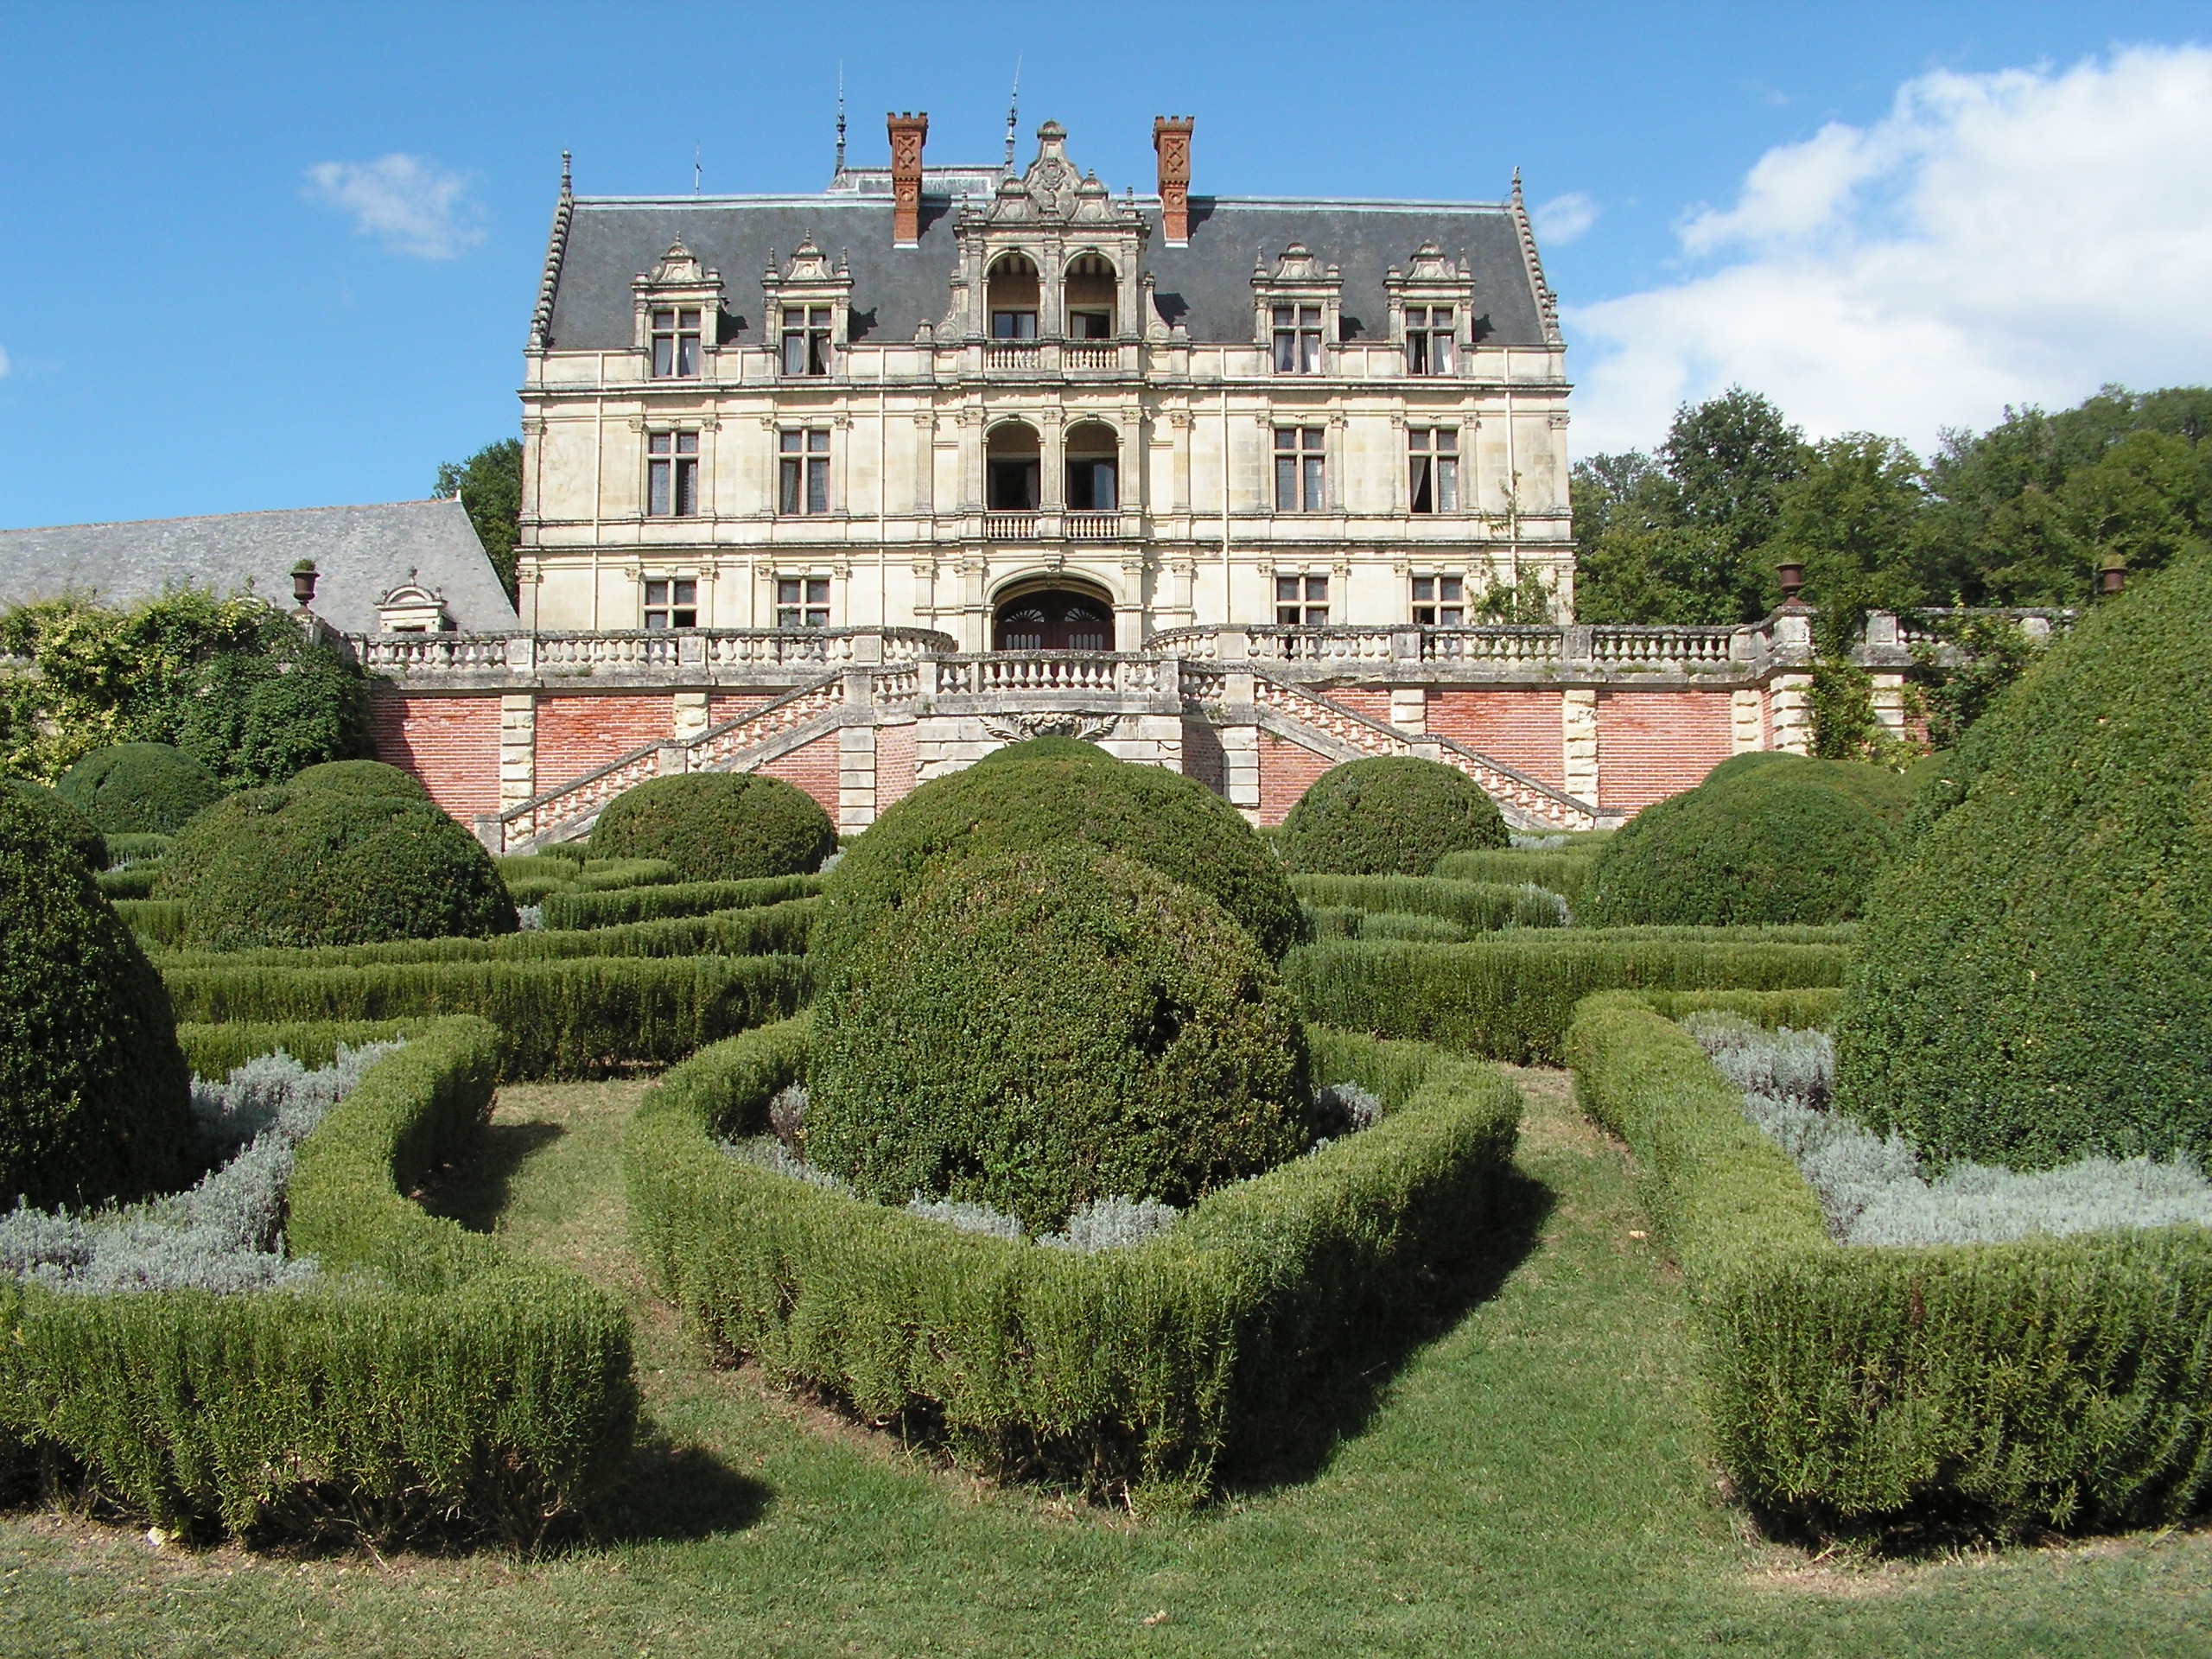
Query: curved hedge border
(1478, 906)
(1510, 998)
(1565, 870)
(458, 1388)
(560, 1018)
(2046, 1382)
(582, 907)
(1132, 1371)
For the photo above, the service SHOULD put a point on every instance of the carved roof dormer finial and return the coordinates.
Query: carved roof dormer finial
(678, 267)
(1431, 264)
(808, 264)
(1297, 264)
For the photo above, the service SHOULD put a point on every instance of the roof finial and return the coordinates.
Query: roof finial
(1517, 187)
(1013, 109)
(565, 187)
(841, 121)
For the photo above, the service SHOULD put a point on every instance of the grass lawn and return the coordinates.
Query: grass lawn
(1527, 1484)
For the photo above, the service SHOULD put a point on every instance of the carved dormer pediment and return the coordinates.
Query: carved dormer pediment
(1297, 264)
(1313, 292)
(679, 268)
(412, 608)
(808, 264)
(1430, 264)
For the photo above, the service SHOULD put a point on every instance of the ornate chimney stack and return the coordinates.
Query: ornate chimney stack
(907, 134)
(1170, 138)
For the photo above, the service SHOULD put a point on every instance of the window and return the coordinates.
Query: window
(803, 472)
(1013, 325)
(1428, 340)
(1298, 340)
(671, 474)
(672, 604)
(1091, 484)
(1302, 600)
(806, 340)
(676, 343)
(1013, 486)
(1091, 325)
(1433, 465)
(802, 601)
(1440, 602)
(1301, 472)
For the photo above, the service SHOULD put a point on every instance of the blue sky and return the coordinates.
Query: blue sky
(264, 257)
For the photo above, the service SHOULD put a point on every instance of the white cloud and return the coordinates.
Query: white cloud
(1564, 217)
(409, 203)
(2018, 237)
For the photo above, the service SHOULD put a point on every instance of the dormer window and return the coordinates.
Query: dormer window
(676, 343)
(806, 340)
(1013, 294)
(1298, 338)
(1428, 339)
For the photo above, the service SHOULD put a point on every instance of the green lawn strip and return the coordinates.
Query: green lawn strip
(1528, 1485)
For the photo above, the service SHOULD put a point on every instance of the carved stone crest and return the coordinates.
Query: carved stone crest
(1020, 729)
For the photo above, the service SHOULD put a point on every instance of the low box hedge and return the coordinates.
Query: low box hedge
(427, 1382)
(566, 1017)
(1132, 1371)
(579, 908)
(136, 882)
(2045, 1383)
(159, 921)
(1509, 998)
(1565, 871)
(1478, 907)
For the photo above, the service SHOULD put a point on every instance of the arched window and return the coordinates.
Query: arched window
(1011, 458)
(1093, 468)
(1011, 295)
(1090, 292)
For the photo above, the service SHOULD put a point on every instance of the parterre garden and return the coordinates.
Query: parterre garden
(1063, 1217)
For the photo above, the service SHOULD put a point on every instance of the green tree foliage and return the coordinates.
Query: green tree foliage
(717, 826)
(1389, 815)
(93, 1091)
(489, 484)
(1035, 1030)
(1850, 519)
(233, 683)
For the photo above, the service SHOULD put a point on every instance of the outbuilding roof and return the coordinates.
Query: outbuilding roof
(360, 555)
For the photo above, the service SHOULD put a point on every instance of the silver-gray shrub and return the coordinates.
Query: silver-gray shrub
(968, 1218)
(767, 1152)
(1528, 843)
(1874, 1190)
(1342, 1108)
(224, 1234)
(1112, 1224)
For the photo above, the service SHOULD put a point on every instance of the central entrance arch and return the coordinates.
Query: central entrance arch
(1058, 614)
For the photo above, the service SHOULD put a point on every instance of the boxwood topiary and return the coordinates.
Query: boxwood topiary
(1054, 789)
(361, 777)
(1033, 1030)
(65, 820)
(1390, 815)
(139, 788)
(1757, 846)
(717, 826)
(2034, 983)
(95, 1095)
(293, 866)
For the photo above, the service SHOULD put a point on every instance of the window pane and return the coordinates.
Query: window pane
(788, 442)
(1444, 354)
(1447, 485)
(817, 354)
(656, 593)
(1103, 477)
(1309, 355)
(687, 488)
(786, 619)
(663, 321)
(687, 354)
(1317, 587)
(656, 618)
(1417, 438)
(1425, 616)
(1419, 497)
(794, 353)
(657, 444)
(1447, 439)
(787, 590)
(1314, 493)
(818, 443)
(1454, 617)
(687, 443)
(684, 619)
(818, 486)
(1310, 315)
(819, 316)
(1286, 615)
(1285, 353)
(1317, 616)
(1424, 587)
(687, 593)
(1286, 484)
(663, 356)
(1416, 353)
(787, 498)
(657, 488)
(817, 619)
(1284, 316)
(1313, 437)
(1452, 589)
(1286, 588)
(692, 320)
(817, 590)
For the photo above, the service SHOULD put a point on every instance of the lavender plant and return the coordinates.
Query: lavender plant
(225, 1233)
(968, 1218)
(1874, 1190)
(1112, 1224)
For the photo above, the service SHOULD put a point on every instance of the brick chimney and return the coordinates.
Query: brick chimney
(1170, 138)
(907, 132)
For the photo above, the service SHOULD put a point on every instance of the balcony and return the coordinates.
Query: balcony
(1010, 526)
(1023, 357)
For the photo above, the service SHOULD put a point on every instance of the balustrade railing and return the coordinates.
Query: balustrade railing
(1090, 356)
(1009, 526)
(1660, 644)
(1530, 646)
(434, 653)
(1012, 356)
(1093, 526)
(1051, 671)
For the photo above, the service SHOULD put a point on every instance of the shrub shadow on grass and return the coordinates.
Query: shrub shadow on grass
(1291, 1440)
(474, 1192)
(669, 1493)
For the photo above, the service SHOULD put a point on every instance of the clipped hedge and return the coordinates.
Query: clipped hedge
(135, 883)
(1032, 795)
(160, 922)
(558, 1019)
(440, 1386)
(1387, 815)
(579, 908)
(717, 826)
(364, 778)
(1478, 907)
(138, 788)
(1349, 922)
(1510, 997)
(2046, 1382)
(1565, 871)
(61, 819)
(2038, 981)
(1134, 1371)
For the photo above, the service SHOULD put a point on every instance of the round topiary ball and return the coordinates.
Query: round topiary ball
(717, 826)
(129, 789)
(1392, 815)
(305, 867)
(94, 1094)
(2034, 983)
(1755, 848)
(65, 820)
(360, 778)
(1034, 1030)
(1054, 789)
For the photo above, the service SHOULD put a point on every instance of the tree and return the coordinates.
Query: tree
(489, 484)
(1852, 520)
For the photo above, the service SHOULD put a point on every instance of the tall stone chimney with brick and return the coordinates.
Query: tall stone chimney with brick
(907, 133)
(1170, 138)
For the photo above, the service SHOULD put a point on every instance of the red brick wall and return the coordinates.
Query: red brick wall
(729, 705)
(1373, 701)
(451, 743)
(1654, 744)
(813, 768)
(581, 732)
(1287, 772)
(1521, 729)
(894, 765)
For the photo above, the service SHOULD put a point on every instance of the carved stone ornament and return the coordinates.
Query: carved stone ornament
(1020, 729)
(808, 264)
(678, 268)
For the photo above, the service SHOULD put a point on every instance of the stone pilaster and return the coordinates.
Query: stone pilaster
(1240, 749)
(1578, 731)
(518, 748)
(1789, 701)
(1888, 696)
(1746, 721)
(1409, 708)
(856, 778)
(690, 715)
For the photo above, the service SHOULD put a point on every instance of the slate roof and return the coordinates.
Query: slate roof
(360, 553)
(1207, 287)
